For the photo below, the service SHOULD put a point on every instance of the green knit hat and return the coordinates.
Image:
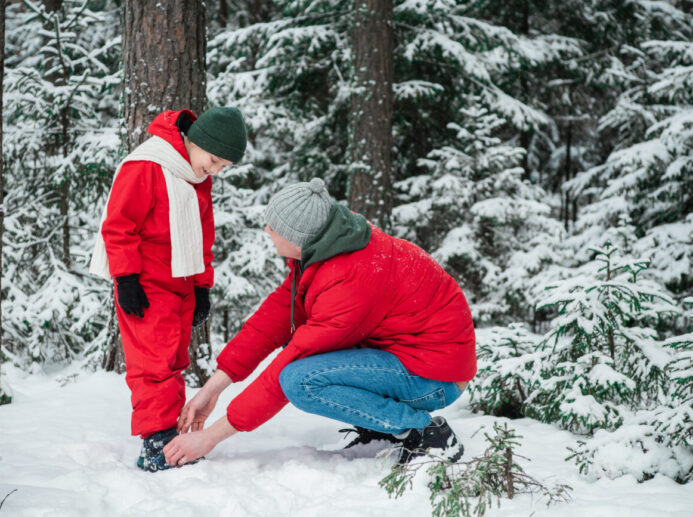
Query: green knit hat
(220, 131)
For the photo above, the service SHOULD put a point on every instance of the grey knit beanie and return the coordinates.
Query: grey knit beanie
(298, 211)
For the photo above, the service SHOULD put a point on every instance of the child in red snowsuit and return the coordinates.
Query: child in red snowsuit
(158, 231)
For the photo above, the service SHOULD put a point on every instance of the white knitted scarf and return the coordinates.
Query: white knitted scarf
(183, 210)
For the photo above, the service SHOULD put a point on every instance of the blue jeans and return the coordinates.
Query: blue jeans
(367, 388)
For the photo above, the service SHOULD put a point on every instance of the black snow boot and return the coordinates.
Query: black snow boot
(436, 439)
(364, 436)
(152, 455)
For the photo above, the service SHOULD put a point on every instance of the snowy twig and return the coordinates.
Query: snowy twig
(8, 495)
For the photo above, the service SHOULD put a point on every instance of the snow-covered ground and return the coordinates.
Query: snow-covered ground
(66, 450)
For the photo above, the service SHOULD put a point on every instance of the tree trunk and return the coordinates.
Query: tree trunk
(60, 78)
(525, 136)
(64, 195)
(223, 13)
(113, 359)
(3, 398)
(52, 5)
(369, 188)
(200, 349)
(164, 46)
(568, 174)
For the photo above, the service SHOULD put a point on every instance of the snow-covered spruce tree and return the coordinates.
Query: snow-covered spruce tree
(655, 440)
(292, 73)
(651, 441)
(675, 421)
(482, 221)
(60, 146)
(288, 71)
(556, 67)
(505, 374)
(649, 174)
(603, 358)
(5, 397)
(462, 192)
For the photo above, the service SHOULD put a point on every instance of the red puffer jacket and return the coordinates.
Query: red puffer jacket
(389, 295)
(137, 230)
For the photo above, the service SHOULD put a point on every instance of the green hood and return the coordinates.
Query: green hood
(343, 232)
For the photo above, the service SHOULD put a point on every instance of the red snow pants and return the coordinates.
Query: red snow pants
(156, 352)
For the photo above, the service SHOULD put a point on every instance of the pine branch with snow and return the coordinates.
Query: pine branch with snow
(471, 488)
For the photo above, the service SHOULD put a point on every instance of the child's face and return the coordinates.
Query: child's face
(202, 162)
(284, 247)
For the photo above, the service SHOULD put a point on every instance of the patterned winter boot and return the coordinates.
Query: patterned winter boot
(436, 439)
(152, 455)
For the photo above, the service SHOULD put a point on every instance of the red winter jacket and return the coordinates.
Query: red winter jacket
(137, 231)
(389, 295)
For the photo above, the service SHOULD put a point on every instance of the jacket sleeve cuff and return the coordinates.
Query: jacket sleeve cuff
(253, 407)
(235, 377)
(205, 279)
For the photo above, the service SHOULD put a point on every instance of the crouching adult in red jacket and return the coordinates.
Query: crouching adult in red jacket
(156, 242)
(375, 334)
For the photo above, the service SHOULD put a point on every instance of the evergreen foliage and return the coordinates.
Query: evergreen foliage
(60, 143)
(470, 488)
(505, 375)
(247, 267)
(675, 421)
(535, 143)
(603, 356)
(488, 226)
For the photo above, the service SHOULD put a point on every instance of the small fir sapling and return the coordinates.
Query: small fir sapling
(656, 440)
(470, 488)
(602, 358)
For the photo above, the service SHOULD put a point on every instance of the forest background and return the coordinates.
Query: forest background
(539, 150)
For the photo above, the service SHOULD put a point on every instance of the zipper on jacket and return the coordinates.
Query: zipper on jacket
(293, 294)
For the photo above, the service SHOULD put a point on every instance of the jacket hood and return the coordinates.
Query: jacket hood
(343, 232)
(165, 125)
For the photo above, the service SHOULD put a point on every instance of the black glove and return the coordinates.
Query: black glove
(131, 297)
(202, 306)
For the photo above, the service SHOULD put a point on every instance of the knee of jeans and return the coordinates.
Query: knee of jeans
(291, 380)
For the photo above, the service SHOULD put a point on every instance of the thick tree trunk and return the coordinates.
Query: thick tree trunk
(371, 111)
(3, 397)
(164, 46)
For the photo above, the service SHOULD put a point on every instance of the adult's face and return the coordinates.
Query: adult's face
(284, 247)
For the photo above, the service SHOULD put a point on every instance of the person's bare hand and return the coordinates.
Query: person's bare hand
(185, 448)
(196, 411)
